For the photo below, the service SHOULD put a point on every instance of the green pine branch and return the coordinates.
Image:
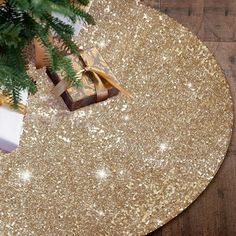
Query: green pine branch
(23, 20)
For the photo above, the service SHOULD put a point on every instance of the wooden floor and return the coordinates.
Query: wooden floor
(214, 212)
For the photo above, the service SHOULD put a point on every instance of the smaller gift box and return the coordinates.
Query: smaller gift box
(98, 82)
(11, 121)
(78, 25)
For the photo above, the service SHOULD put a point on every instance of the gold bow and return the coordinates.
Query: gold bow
(63, 85)
(6, 101)
(95, 65)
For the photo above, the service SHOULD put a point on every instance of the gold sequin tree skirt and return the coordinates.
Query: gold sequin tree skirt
(123, 166)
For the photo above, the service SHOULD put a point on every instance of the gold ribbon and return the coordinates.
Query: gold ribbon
(102, 92)
(6, 101)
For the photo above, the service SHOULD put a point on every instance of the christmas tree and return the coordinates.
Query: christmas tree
(22, 21)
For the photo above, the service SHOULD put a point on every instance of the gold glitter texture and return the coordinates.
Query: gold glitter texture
(123, 166)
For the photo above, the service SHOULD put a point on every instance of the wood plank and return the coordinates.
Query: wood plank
(219, 21)
(211, 20)
(152, 3)
(187, 12)
(225, 54)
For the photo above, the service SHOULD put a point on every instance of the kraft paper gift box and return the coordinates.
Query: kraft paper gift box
(11, 125)
(95, 88)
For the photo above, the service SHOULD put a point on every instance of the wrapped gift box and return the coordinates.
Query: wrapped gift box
(11, 125)
(78, 25)
(91, 82)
